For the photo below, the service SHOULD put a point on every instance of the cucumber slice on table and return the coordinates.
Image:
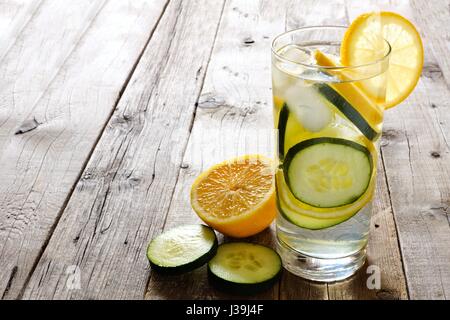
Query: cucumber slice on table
(244, 268)
(328, 172)
(182, 249)
(349, 111)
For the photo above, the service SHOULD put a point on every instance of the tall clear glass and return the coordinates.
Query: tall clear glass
(328, 120)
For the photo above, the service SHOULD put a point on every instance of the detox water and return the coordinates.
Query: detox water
(327, 138)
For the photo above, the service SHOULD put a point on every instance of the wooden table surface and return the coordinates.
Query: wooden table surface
(110, 109)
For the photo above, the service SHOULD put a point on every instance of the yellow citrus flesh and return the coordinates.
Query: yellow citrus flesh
(236, 197)
(278, 102)
(352, 92)
(363, 44)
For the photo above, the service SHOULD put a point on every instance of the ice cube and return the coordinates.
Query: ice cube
(308, 107)
(280, 81)
(295, 55)
(285, 73)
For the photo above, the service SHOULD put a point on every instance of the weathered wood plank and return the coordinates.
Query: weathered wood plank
(382, 251)
(34, 52)
(415, 158)
(219, 132)
(126, 189)
(14, 16)
(415, 155)
(418, 166)
(25, 76)
(433, 17)
(234, 117)
(418, 171)
(64, 73)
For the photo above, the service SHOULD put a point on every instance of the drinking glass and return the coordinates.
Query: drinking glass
(328, 119)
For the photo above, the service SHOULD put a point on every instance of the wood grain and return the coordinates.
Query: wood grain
(125, 191)
(433, 17)
(415, 154)
(65, 71)
(383, 251)
(418, 171)
(14, 17)
(233, 118)
(37, 43)
(417, 163)
(101, 162)
(231, 112)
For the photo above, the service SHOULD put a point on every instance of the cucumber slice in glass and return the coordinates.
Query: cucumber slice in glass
(308, 222)
(349, 111)
(282, 121)
(292, 205)
(328, 172)
(182, 249)
(244, 268)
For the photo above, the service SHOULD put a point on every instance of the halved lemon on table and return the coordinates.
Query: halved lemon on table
(362, 44)
(236, 197)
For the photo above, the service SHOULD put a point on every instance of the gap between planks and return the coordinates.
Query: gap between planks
(48, 85)
(113, 108)
(195, 111)
(190, 130)
(395, 220)
(140, 104)
(107, 88)
(314, 290)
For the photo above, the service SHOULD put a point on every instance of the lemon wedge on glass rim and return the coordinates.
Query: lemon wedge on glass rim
(361, 45)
